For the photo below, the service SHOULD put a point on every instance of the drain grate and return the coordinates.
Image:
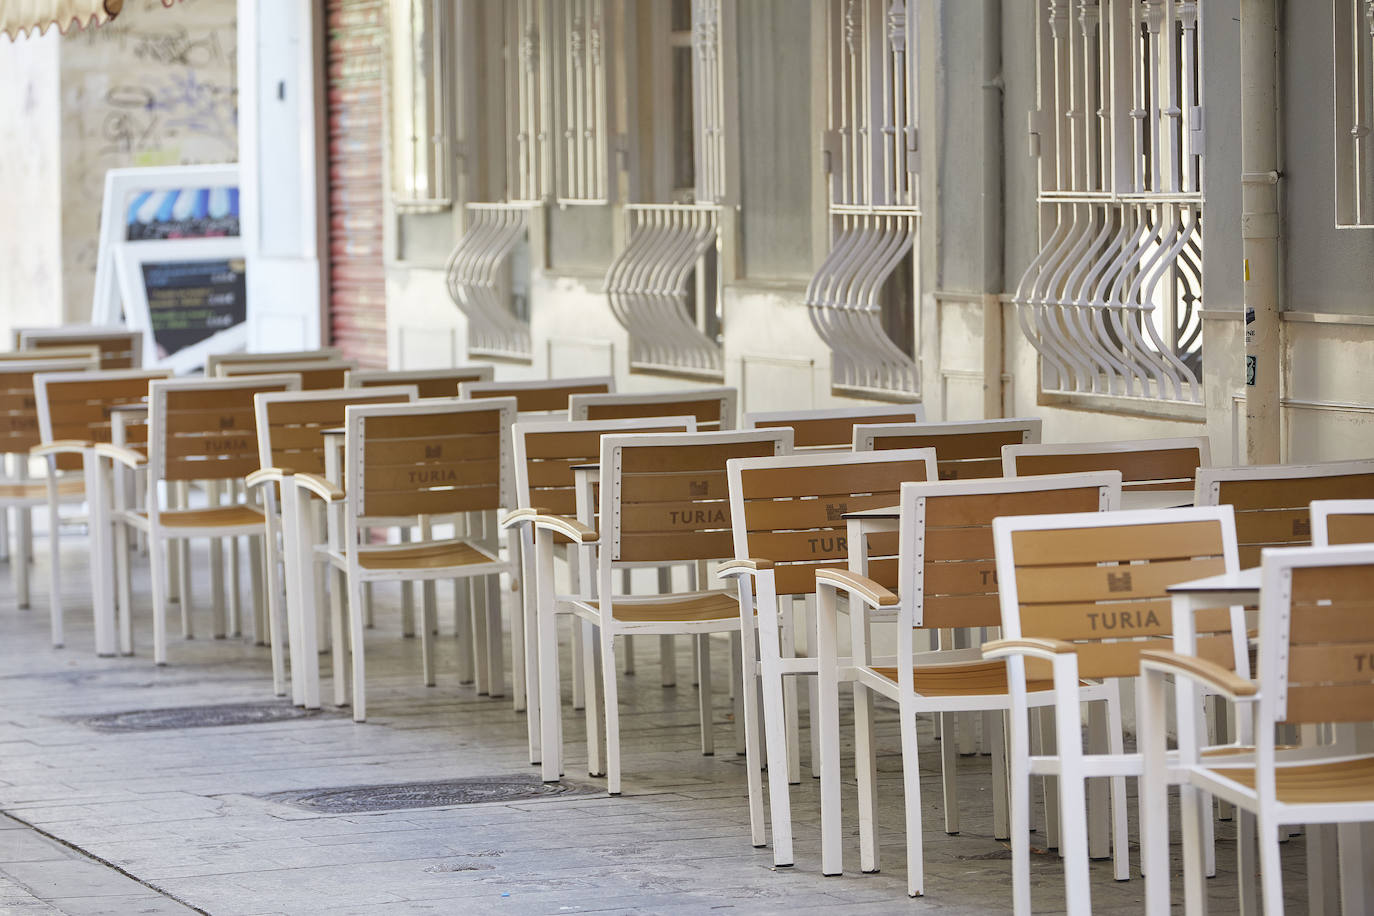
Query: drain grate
(195, 717)
(475, 790)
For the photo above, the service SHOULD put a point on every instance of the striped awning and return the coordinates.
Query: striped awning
(20, 17)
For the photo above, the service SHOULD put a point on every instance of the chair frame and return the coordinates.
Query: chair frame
(527, 389)
(1322, 511)
(825, 416)
(369, 378)
(1011, 454)
(1070, 763)
(303, 368)
(324, 354)
(666, 402)
(67, 335)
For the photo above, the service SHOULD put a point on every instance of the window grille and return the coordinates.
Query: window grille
(1113, 301)
(1353, 47)
(661, 289)
(483, 283)
(421, 127)
(527, 96)
(581, 153)
(873, 162)
(664, 287)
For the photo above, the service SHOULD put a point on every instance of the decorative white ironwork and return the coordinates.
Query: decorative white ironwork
(1113, 300)
(479, 279)
(873, 162)
(421, 126)
(709, 100)
(581, 157)
(651, 284)
(844, 298)
(1353, 46)
(529, 162)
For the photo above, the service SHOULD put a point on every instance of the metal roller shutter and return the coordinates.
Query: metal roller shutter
(357, 283)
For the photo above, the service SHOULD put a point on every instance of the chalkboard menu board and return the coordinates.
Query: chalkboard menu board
(189, 301)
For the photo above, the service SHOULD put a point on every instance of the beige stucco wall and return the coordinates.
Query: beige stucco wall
(30, 231)
(157, 86)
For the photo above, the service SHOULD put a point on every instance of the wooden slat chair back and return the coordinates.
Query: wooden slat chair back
(1100, 583)
(965, 450)
(666, 498)
(790, 510)
(19, 428)
(215, 360)
(538, 395)
(206, 429)
(1145, 464)
(75, 406)
(291, 424)
(315, 375)
(713, 408)
(431, 383)
(1337, 522)
(1271, 501)
(78, 352)
(119, 347)
(435, 458)
(832, 428)
(546, 451)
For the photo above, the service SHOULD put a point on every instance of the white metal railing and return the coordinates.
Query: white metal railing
(582, 158)
(651, 285)
(709, 99)
(871, 155)
(529, 161)
(1353, 51)
(1112, 303)
(479, 279)
(845, 305)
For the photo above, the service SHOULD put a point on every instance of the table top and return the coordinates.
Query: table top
(1247, 580)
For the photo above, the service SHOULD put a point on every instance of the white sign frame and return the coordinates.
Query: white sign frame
(129, 261)
(119, 184)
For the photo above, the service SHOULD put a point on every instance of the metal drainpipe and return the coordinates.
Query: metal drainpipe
(994, 227)
(1261, 242)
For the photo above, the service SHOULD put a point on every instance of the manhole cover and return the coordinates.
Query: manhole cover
(195, 717)
(476, 790)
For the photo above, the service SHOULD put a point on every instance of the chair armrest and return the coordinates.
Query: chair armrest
(268, 475)
(125, 456)
(1222, 680)
(60, 447)
(733, 569)
(570, 528)
(870, 591)
(319, 486)
(1041, 648)
(518, 517)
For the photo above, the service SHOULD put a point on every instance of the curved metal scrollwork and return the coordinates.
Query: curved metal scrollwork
(479, 284)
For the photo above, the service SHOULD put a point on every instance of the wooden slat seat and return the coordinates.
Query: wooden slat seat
(1334, 782)
(708, 606)
(231, 516)
(36, 492)
(966, 679)
(430, 555)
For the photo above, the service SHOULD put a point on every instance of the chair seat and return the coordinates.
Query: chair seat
(212, 517)
(36, 491)
(429, 555)
(698, 607)
(1334, 782)
(977, 679)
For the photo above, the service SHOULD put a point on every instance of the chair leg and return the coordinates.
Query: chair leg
(235, 621)
(1194, 809)
(159, 552)
(952, 727)
(337, 610)
(1324, 872)
(749, 714)
(704, 705)
(482, 682)
(124, 590)
(1051, 788)
(495, 645)
(585, 646)
(1271, 874)
(276, 615)
(790, 714)
(1116, 746)
(517, 632)
(355, 619)
(579, 652)
(1074, 817)
(1099, 817)
(407, 598)
(427, 616)
(550, 688)
(23, 550)
(866, 774)
(370, 609)
(462, 629)
(54, 563)
(612, 693)
(911, 789)
(1353, 867)
(529, 644)
(1018, 796)
(737, 693)
(667, 644)
(812, 688)
(1246, 865)
(255, 576)
(182, 546)
(997, 721)
(1153, 799)
(776, 739)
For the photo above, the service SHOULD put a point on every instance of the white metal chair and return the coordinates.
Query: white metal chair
(199, 430)
(315, 374)
(787, 515)
(74, 411)
(663, 500)
(324, 354)
(546, 451)
(290, 427)
(715, 407)
(964, 449)
(1342, 521)
(431, 383)
(120, 348)
(419, 461)
(832, 428)
(538, 395)
(946, 580)
(1155, 473)
(1316, 667)
(1086, 592)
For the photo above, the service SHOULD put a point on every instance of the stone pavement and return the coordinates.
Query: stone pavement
(186, 810)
